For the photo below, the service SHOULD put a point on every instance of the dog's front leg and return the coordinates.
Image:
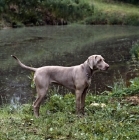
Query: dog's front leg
(83, 101)
(78, 101)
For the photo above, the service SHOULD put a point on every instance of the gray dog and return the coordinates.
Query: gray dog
(77, 78)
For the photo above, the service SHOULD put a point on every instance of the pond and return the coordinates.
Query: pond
(62, 45)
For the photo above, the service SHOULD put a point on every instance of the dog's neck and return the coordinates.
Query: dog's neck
(88, 70)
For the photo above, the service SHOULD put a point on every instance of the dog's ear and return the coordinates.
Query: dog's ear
(91, 61)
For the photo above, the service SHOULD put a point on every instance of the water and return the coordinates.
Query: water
(61, 45)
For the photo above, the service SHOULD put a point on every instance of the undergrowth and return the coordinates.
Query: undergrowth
(119, 88)
(117, 119)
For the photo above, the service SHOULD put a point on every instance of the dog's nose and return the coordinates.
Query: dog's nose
(107, 66)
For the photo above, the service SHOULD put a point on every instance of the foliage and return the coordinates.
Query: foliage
(40, 12)
(113, 13)
(129, 1)
(71, 10)
(23, 11)
(31, 77)
(37, 12)
(135, 50)
(58, 120)
(2, 5)
(119, 89)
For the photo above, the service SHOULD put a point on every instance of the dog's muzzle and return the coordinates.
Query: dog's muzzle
(106, 67)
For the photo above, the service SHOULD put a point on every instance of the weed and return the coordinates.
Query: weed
(119, 89)
(31, 77)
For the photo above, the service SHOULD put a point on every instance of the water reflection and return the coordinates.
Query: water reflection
(61, 45)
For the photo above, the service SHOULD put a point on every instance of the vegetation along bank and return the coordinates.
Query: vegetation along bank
(18, 13)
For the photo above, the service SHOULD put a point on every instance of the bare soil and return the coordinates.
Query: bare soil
(133, 100)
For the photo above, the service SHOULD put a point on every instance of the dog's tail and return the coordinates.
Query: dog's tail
(22, 65)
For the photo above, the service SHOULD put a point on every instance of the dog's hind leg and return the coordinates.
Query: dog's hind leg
(36, 105)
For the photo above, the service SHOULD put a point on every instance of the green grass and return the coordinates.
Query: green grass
(113, 7)
(113, 13)
(118, 120)
(112, 115)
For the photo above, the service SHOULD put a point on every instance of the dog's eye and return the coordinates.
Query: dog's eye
(99, 61)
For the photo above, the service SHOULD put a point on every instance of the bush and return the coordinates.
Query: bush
(69, 9)
(120, 89)
(39, 12)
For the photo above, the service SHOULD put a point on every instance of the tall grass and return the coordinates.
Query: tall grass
(113, 13)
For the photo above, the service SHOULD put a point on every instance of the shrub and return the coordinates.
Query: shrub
(37, 12)
(135, 50)
(69, 10)
(120, 90)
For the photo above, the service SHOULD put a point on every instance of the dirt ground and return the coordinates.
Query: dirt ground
(133, 100)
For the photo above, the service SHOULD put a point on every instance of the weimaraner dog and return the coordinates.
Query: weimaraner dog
(77, 78)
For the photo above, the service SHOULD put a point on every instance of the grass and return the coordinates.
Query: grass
(113, 13)
(114, 7)
(117, 119)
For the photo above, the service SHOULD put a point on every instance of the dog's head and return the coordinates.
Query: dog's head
(97, 62)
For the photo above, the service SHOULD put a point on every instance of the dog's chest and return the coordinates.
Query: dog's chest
(88, 79)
